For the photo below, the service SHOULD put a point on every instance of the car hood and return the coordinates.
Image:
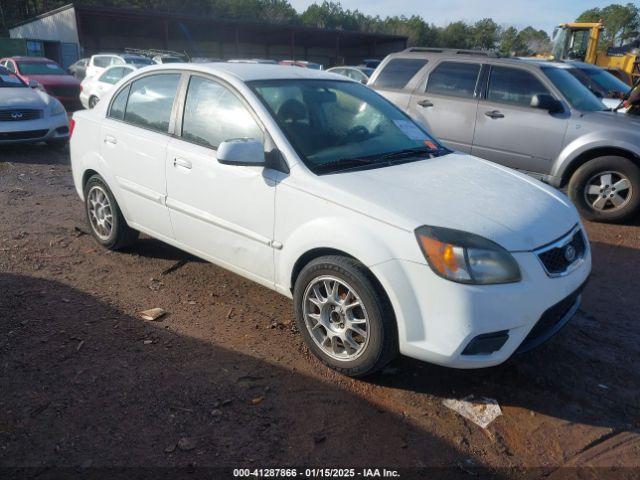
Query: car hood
(613, 120)
(461, 192)
(23, 98)
(55, 80)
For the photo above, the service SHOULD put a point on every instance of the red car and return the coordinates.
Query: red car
(53, 79)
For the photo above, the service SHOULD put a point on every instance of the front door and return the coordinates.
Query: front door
(447, 107)
(511, 132)
(224, 212)
(134, 140)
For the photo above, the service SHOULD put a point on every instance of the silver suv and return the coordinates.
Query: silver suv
(531, 116)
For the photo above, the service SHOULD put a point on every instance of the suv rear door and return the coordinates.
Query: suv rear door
(447, 104)
(511, 132)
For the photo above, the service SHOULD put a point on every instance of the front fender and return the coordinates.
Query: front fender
(359, 241)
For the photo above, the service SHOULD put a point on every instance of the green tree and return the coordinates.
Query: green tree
(620, 22)
(485, 34)
(456, 35)
(511, 43)
(535, 41)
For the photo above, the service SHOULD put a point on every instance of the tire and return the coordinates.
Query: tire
(373, 351)
(93, 101)
(590, 184)
(113, 235)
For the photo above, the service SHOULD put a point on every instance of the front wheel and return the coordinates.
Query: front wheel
(343, 316)
(606, 189)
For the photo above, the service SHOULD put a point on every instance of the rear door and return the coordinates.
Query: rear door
(134, 140)
(447, 104)
(511, 132)
(225, 212)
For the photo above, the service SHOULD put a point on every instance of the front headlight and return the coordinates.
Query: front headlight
(466, 258)
(57, 108)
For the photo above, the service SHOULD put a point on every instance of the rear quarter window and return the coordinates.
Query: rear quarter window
(398, 72)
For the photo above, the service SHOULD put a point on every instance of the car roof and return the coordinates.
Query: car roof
(249, 71)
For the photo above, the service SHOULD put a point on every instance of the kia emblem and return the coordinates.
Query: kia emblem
(570, 253)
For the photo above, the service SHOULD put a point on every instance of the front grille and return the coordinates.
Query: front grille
(23, 135)
(64, 91)
(19, 115)
(558, 258)
(551, 321)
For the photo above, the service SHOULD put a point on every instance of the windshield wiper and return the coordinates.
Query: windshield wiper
(382, 160)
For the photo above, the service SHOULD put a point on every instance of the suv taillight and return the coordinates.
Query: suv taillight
(72, 125)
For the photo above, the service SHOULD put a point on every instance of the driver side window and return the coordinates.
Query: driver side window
(213, 114)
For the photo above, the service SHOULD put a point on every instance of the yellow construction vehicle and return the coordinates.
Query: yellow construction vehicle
(579, 41)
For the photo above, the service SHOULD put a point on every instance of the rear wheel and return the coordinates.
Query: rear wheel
(344, 317)
(606, 189)
(108, 226)
(93, 101)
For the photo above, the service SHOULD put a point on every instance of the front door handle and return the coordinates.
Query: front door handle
(181, 162)
(110, 139)
(425, 103)
(494, 114)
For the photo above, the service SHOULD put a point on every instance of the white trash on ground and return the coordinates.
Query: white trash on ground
(481, 411)
(152, 314)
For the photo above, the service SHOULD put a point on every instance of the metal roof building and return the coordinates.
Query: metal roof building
(72, 31)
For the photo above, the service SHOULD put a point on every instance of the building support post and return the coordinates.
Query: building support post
(293, 45)
(338, 50)
(237, 33)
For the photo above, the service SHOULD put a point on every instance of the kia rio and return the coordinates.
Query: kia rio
(319, 188)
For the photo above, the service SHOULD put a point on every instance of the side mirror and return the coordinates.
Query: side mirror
(33, 84)
(247, 152)
(545, 101)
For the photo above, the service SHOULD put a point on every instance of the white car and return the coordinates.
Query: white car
(98, 63)
(320, 189)
(29, 115)
(93, 88)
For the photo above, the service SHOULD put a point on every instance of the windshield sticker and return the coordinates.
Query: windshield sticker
(410, 129)
(10, 79)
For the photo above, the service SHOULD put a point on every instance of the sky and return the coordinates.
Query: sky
(545, 14)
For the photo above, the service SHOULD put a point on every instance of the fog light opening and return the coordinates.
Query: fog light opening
(487, 343)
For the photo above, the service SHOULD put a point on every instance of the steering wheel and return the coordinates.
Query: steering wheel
(358, 133)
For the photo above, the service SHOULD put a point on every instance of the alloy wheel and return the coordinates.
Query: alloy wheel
(608, 191)
(336, 318)
(100, 212)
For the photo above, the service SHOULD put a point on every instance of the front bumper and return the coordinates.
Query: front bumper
(437, 319)
(47, 129)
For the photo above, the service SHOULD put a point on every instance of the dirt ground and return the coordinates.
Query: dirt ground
(225, 380)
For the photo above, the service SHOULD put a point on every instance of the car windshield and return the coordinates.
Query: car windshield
(40, 68)
(605, 80)
(338, 125)
(9, 79)
(579, 96)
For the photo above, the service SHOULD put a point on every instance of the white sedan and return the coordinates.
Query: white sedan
(93, 88)
(320, 189)
(29, 115)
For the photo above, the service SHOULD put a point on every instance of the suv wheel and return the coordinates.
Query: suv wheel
(93, 101)
(108, 226)
(344, 319)
(606, 189)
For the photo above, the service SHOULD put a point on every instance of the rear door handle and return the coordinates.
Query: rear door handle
(110, 139)
(494, 114)
(425, 103)
(181, 162)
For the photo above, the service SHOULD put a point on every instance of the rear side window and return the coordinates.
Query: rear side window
(102, 62)
(119, 104)
(213, 114)
(513, 85)
(113, 75)
(455, 79)
(151, 101)
(398, 72)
